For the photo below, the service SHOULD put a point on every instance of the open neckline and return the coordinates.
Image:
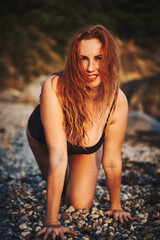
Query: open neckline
(101, 138)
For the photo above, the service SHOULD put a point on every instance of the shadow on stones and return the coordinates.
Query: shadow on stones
(137, 173)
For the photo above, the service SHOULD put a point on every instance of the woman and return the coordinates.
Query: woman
(79, 124)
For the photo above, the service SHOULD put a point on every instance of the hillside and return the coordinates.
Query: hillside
(137, 62)
(35, 33)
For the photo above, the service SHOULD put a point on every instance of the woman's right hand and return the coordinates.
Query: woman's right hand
(55, 230)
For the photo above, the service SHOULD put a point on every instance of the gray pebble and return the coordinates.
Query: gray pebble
(79, 225)
(25, 233)
(75, 215)
(125, 236)
(144, 220)
(38, 229)
(94, 216)
(23, 226)
(24, 218)
(70, 209)
(85, 238)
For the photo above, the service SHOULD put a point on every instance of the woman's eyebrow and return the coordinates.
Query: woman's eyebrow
(99, 55)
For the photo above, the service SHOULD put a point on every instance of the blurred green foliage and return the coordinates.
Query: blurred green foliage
(33, 31)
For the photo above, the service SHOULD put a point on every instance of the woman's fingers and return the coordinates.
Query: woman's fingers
(40, 232)
(62, 236)
(119, 215)
(59, 231)
(47, 233)
(109, 213)
(115, 216)
(125, 218)
(120, 218)
(68, 230)
(129, 216)
(53, 236)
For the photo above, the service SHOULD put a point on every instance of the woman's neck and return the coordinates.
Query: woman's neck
(95, 104)
(95, 93)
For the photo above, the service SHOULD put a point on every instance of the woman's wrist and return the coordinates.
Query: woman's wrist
(50, 223)
(57, 225)
(115, 208)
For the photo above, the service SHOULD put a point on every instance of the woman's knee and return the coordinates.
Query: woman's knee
(79, 200)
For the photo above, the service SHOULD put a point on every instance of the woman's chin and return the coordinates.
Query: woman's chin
(94, 82)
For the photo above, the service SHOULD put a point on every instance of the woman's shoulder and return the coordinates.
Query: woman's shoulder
(121, 99)
(121, 106)
(51, 82)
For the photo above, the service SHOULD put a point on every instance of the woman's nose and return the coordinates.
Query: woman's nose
(90, 67)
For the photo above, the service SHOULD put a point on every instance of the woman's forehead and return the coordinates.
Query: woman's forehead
(90, 46)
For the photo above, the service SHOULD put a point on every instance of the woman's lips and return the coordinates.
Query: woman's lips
(92, 78)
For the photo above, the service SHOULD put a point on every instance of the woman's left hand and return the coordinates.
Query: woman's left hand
(119, 214)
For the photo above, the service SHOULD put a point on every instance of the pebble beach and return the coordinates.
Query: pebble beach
(23, 192)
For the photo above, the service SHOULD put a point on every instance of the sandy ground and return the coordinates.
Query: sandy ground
(13, 117)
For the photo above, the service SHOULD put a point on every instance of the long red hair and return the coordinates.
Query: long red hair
(72, 87)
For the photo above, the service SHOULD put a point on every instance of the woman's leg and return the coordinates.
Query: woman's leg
(81, 176)
(82, 179)
(40, 152)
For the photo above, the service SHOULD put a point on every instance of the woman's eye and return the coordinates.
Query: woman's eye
(98, 58)
(84, 58)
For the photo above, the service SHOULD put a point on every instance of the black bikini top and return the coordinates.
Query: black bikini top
(36, 130)
(74, 150)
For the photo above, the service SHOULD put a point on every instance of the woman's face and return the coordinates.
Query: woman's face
(90, 56)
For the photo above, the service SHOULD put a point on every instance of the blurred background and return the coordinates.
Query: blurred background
(33, 40)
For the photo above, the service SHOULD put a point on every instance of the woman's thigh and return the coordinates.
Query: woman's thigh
(40, 152)
(81, 176)
(82, 179)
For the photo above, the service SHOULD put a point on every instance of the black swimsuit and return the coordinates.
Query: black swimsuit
(36, 130)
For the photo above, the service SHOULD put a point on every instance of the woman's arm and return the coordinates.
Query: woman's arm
(52, 120)
(112, 162)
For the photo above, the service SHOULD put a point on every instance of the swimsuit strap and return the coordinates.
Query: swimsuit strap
(109, 113)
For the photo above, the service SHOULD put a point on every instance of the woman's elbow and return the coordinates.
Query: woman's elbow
(57, 160)
(108, 165)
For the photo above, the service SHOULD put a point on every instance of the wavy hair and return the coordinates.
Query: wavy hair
(72, 85)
